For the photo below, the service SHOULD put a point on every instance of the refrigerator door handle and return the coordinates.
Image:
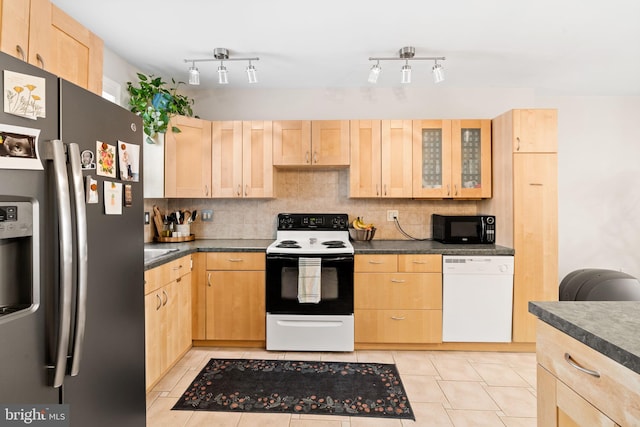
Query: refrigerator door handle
(66, 260)
(77, 187)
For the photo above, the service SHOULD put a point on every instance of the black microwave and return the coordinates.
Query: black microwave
(463, 229)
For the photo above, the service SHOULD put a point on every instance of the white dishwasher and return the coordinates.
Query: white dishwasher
(477, 298)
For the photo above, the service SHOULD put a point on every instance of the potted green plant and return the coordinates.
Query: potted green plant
(156, 103)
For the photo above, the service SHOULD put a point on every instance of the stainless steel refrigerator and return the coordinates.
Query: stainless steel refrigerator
(71, 297)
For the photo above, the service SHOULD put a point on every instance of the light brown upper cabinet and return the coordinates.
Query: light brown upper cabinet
(380, 158)
(76, 53)
(365, 172)
(534, 131)
(311, 143)
(241, 158)
(396, 158)
(188, 158)
(40, 33)
(24, 30)
(452, 159)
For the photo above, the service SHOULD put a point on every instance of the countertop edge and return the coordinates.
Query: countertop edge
(360, 247)
(601, 345)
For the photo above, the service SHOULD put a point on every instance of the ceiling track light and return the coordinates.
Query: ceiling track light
(221, 54)
(407, 54)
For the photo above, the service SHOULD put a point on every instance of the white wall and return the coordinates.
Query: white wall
(599, 152)
(599, 182)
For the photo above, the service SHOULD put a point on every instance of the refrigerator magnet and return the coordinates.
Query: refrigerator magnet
(129, 157)
(128, 196)
(87, 160)
(91, 190)
(112, 198)
(106, 159)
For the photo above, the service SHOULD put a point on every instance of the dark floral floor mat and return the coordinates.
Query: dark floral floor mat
(298, 387)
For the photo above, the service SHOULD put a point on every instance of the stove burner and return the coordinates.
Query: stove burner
(288, 244)
(334, 244)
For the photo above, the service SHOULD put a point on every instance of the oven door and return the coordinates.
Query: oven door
(336, 285)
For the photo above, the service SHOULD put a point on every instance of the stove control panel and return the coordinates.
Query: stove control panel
(313, 221)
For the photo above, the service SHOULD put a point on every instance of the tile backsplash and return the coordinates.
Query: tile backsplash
(313, 191)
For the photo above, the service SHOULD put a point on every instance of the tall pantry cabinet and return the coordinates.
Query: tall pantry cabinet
(525, 201)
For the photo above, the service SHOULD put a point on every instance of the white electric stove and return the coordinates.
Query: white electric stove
(326, 325)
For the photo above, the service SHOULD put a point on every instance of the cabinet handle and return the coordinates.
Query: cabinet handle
(315, 157)
(40, 60)
(517, 143)
(377, 190)
(239, 190)
(575, 364)
(535, 184)
(246, 190)
(20, 52)
(306, 157)
(206, 190)
(166, 298)
(398, 281)
(418, 262)
(209, 279)
(455, 189)
(159, 302)
(448, 190)
(398, 317)
(179, 279)
(177, 268)
(235, 260)
(376, 262)
(385, 189)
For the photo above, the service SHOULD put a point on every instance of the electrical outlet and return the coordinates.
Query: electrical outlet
(392, 215)
(146, 218)
(207, 215)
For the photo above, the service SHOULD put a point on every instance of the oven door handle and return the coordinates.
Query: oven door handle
(324, 259)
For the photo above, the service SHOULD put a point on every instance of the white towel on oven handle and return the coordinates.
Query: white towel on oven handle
(309, 271)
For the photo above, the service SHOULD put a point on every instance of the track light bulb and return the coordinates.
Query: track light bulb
(375, 73)
(222, 75)
(194, 75)
(406, 73)
(251, 73)
(438, 73)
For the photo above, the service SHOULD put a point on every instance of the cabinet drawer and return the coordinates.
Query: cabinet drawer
(420, 263)
(398, 326)
(376, 263)
(616, 392)
(398, 290)
(161, 275)
(235, 261)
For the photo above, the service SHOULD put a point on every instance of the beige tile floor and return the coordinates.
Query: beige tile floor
(445, 389)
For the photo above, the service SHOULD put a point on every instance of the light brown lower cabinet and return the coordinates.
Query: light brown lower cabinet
(398, 298)
(235, 296)
(579, 386)
(167, 316)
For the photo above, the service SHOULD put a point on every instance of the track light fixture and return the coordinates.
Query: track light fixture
(407, 54)
(221, 54)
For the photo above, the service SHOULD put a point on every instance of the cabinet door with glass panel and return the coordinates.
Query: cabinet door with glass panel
(452, 159)
(471, 159)
(432, 158)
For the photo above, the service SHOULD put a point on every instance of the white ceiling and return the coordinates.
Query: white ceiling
(575, 47)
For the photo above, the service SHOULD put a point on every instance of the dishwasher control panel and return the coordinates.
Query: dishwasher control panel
(477, 264)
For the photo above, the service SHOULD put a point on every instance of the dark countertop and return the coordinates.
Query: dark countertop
(426, 247)
(371, 247)
(609, 327)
